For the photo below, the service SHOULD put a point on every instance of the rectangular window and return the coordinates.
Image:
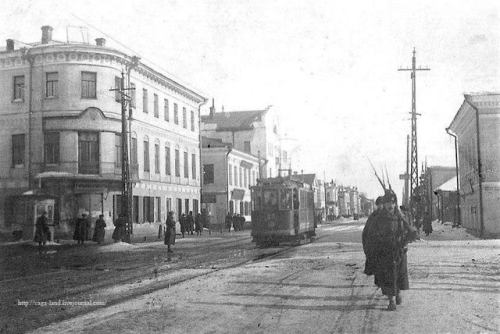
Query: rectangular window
(156, 110)
(51, 79)
(186, 165)
(157, 158)
(168, 204)
(230, 174)
(241, 177)
(158, 209)
(245, 180)
(193, 166)
(133, 151)
(186, 205)
(51, 147)
(135, 209)
(132, 94)
(235, 176)
(246, 147)
(18, 150)
(145, 100)
(176, 114)
(166, 111)
(167, 160)
(148, 209)
(89, 84)
(118, 150)
(19, 88)
(118, 86)
(146, 156)
(177, 162)
(184, 118)
(208, 174)
(88, 153)
(192, 120)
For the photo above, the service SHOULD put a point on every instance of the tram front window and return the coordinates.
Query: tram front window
(270, 199)
(285, 199)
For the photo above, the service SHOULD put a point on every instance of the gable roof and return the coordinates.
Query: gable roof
(234, 120)
(305, 178)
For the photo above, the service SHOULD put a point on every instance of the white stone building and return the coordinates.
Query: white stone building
(255, 132)
(476, 126)
(228, 174)
(61, 130)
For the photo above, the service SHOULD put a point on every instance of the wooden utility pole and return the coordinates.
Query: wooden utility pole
(126, 205)
(414, 151)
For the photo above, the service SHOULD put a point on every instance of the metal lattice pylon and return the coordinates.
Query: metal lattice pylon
(414, 149)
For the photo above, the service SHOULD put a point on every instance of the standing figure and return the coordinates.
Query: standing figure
(81, 229)
(229, 221)
(427, 222)
(170, 231)
(41, 231)
(99, 231)
(198, 224)
(370, 261)
(386, 243)
(190, 222)
(182, 222)
(119, 232)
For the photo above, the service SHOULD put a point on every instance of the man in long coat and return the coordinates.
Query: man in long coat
(41, 231)
(370, 261)
(385, 243)
(170, 231)
(81, 229)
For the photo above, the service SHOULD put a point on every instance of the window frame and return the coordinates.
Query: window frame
(145, 149)
(145, 101)
(53, 84)
(18, 88)
(156, 110)
(87, 90)
(53, 146)
(18, 150)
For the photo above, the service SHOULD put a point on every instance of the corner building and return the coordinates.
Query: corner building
(61, 126)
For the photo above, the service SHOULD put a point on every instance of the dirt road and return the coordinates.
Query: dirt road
(313, 288)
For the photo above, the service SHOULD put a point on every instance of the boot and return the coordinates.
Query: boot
(399, 299)
(391, 306)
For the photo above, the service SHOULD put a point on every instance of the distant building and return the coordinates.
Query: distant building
(61, 135)
(366, 205)
(254, 132)
(354, 201)
(476, 126)
(446, 201)
(433, 177)
(332, 200)
(228, 174)
(344, 201)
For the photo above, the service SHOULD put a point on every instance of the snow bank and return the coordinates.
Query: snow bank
(116, 247)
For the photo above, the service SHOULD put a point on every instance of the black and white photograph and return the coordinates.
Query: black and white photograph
(250, 166)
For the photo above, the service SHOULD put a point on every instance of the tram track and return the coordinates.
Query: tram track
(88, 282)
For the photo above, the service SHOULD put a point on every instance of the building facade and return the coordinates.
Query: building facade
(255, 132)
(62, 126)
(228, 174)
(476, 126)
(344, 201)
(433, 177)
(332, 200)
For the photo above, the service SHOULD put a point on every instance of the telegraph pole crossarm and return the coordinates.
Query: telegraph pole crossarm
(126, 206)
(414, 151)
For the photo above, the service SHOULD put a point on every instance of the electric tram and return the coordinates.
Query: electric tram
(282, 211)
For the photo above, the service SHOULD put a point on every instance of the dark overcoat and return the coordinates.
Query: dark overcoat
(41, 229)
(81, 229)
(385, 248)
(170, 231)
(99, 231)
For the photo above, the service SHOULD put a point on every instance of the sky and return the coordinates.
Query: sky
(328, 68)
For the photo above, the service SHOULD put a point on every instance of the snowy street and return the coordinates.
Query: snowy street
(314, 288)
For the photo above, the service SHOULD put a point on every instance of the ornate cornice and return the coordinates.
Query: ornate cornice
(92, 55)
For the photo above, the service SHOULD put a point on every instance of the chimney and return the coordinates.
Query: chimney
(46, 34)
(212, 109)
(10, 45)
(100, 41)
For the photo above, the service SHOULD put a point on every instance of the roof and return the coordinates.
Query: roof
(450, 185)
(484, 102)
(306, 178)
(234, 120)
(207, 142)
